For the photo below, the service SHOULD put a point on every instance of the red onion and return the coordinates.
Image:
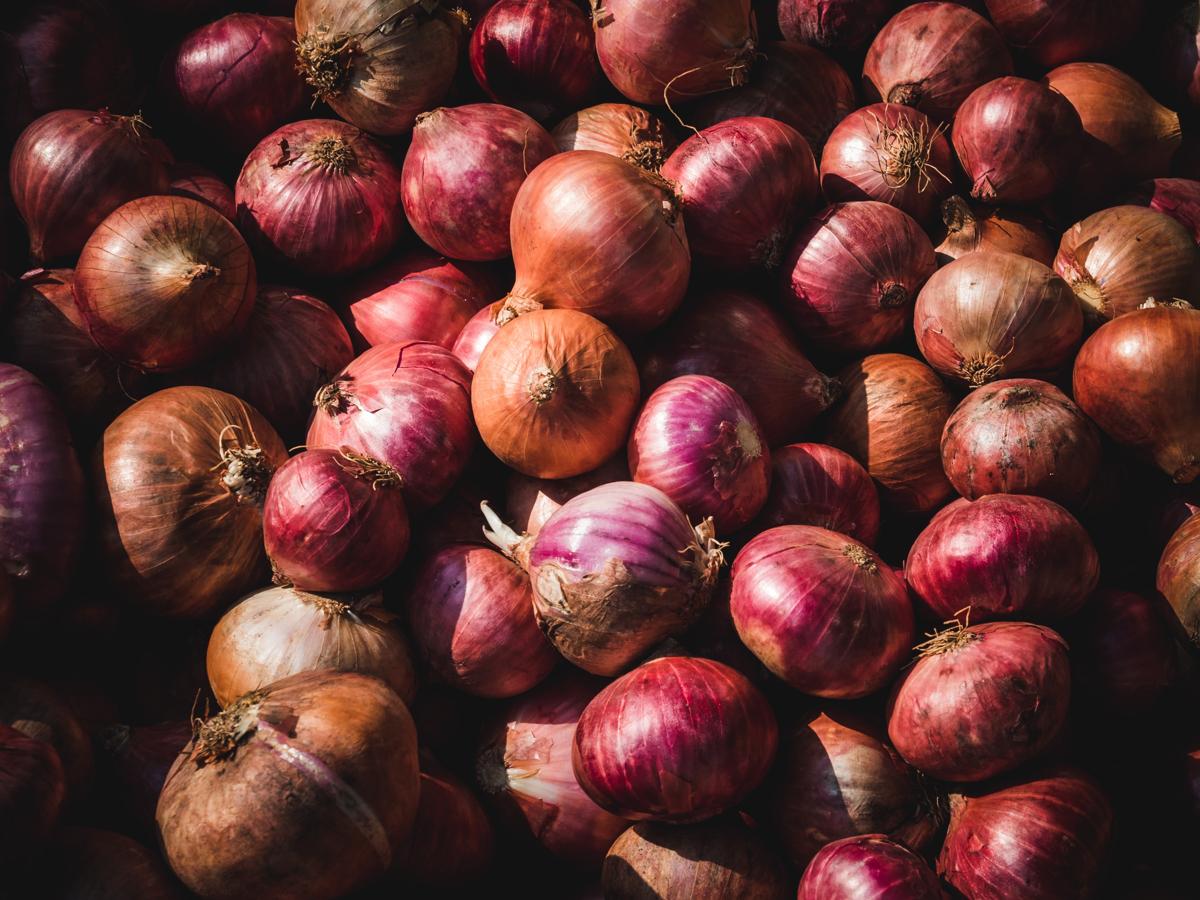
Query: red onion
(320, 170)
(406, 404)
(1179, 55)
(1043, 840)
(618, 129)
(134, 762)
(530, 502)
(1192, 778)
(1178, 198)
(72, 167)
(470, 611)
(981, 700)
(970, 228)
(452, 841)
(462, 172)
(88, 863)
(833, 24)
(1178, 571)
(852, 273)
(678, 739)
(736, 338)
(1121, 383)
(31, 791)
(868, 867)
(1053, 32)
(991, 315)
(821, 611)
(932, 56)
(538, 57)
(194, 181)
(697, 442)
(37, 710)
(614, 571)
(892, 154)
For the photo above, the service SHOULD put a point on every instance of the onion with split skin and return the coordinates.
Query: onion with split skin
(968, 228)
(868, 867)
(618, 129)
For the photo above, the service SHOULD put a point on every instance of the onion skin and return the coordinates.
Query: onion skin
(530, 502)
(1178, 576)
(31, 792)
(200, 184)
(90, 864)
(868, 867)
(452, 840)
(1053, 32)
(833, 24)
(1178, 198)
(981, 701)
(618, 129)
(821, 611)
(351, 745)
(1124, 654)
(1044, 839)
(991, 315)
(687, 768)
(477, 334)
(971, 228)
(134, 762)
(851, 274)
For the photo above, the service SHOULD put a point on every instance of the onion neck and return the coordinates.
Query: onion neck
(333, 398)
(368, 468)
(646, 154)
(908, 94)
(514, 305)
(220, 736)
(950, 639)
(325, 61)
(542, 386)
(979, 370)
(332, 154)
(861, 557)
(246, 471)
(769, 252)
(1018, 396)
(708, 554)
(1187, 473)
(506, 539)
(958, 216)
(200, 272)
(893, 295)
(902, 153)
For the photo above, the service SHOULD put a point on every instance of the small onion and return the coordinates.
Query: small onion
(1053, 32)
(833, 24)
(134, 762)
(31, 792)
(198, 183)
(477, 334)
(90, 864)
(1178, 198)
(868, 867)
(530, 502)
(620, 130)
(970, 228)
(1178, 575)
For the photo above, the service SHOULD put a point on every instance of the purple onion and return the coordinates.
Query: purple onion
(1178, 198)
(868, 867)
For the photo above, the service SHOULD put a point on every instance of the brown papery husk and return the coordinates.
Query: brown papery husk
(620, 130)
(969, 227)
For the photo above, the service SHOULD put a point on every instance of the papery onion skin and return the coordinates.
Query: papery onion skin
(1054, 32)
(530, 502)
(462, 172)
(852, 273)
(821, 611)
(704, 735)
(1178, 198)
(199, 183)
(970, 228)
(833, 24)
(981, 701)
(868, 867)
(31, 791)
(1178, 576)
(89, 863)
(618, 129)
(477, 334)
(133, 764)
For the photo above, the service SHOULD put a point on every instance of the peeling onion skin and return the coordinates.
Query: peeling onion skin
(868, 867)
(32, 789)
(1178, 198)
(618, 129)
(833, 24)
(1054, 32)
(968, 228)
(1178, 576)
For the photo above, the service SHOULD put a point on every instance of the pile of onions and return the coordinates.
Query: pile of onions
(892, 154)
(452, 841)
(1021, 436)
(614, 571)
(697, 442)
(931, 56)
(163, 282)
(1178, 198)
(377, 63)
(134, 762)
(852, 273)
(407, 405)
(821, 611)
(554, 393)
(72, 167)
(891, 420)
(530, 502)
(1123, 651)
(1178, 573)
(743, 183)
(320, 170)
(992, 315)
(1018, 141)
(735, 337)
(31, 791)
(618, 129)
(1117, 259)
(462, 172)
(180, 481)
(868, 867)
(334, 520)
(981, 700)
(1042, 839)
(678, 739)
(470, 612)
(1053, 32)
(88, 862)
(538, 57)
(970, 228)
(832, 24)
(594, 233)
(304, 788)
(1137, 376)
(197, 182)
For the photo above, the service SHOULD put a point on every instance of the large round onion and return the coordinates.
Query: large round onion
(618, 129)
(406, 404)
(462, 172)
(72, 167)
(815, 484)
(868, 867)
(530, 502)
(833, 24)
(303, 789)
(320, 170)
(1054, 32)
(970, 228)
(31, 791)
(163, 282)
(852, 273)
(180, 478)
(821, 611)
(992, 315)
(1179, 575)
(679, 739)
(1178, 198)
(981, 700)
(88, 863)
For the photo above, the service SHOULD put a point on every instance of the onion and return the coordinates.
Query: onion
(334, 520)
(530, 502)
(618, 129)
(1178, 198)
(37, 710)
(89, 863)
(821, 611)
(470, 611)
(71, 168)
(134, 764)
(892, 154)
(538, 57)
(303, 789)
(163, 281)
(1121, 382)
(462, 172)
(198, 183)
(736, 338)
(593, 233)
(697, 442)
(614, 571)
(981, 700)
(179, 478)
(320, 170)
(554, 393)
(1118, 258)
(378, 63)
(991, 315)
(1042, 839)
(931, 56)
(678, 739)
(1178, 575)
(405, 404)
(833, 24)
(868, 867)
(970, 228)
(279, 631)
(1053, 32)
(477, 333)
(891, 421)
(1179, 55)
(31, 791)
(852, 273)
